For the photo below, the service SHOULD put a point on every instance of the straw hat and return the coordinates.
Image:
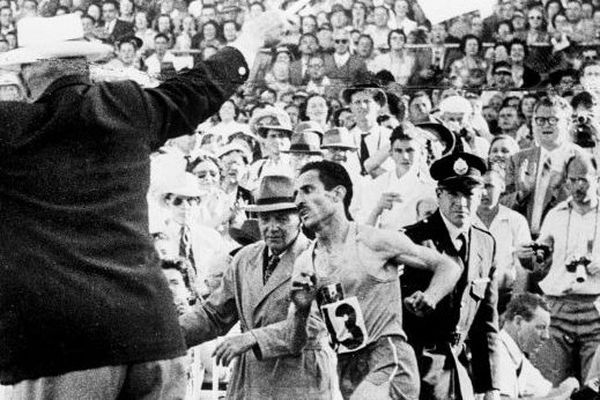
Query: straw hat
(50, 38)
(306, 142)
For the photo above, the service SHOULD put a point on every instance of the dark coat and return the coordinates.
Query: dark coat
(121, 29)
(469, 313)
(81, 285)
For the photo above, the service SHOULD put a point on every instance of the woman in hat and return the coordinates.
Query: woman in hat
(274, 129)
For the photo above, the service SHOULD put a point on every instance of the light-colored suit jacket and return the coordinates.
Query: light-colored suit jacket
(517, 198)
(271, 370)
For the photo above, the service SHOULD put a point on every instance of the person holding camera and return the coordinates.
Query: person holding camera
(572, 283)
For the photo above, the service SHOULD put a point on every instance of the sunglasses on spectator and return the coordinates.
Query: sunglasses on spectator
(343, 41)
(178, 201)
(204, 174)
(552, 121)
(535, 17)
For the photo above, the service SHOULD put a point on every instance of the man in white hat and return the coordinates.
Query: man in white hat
(457, 112)
(255, 291)
(86, 310)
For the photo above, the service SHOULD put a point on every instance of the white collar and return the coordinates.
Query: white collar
(341, 59)
(455, 231)
(513, 349)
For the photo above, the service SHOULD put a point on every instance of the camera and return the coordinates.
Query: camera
(583, 132)
(542, 252)
(578, 266)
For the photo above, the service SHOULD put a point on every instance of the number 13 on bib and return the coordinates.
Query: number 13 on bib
(345, 324)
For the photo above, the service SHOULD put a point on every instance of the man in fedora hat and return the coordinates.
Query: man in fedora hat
(255, 292)
(305, 147)
(86, 310)
(356, 270)
(469, 312)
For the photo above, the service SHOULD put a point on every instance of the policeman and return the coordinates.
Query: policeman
(469, 312)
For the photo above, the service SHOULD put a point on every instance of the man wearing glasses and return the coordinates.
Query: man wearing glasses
(534, 178)
(342, 66)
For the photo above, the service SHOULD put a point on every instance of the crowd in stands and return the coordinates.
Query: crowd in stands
(361, 83)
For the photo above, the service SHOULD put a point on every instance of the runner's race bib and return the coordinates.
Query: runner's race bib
(343, 318)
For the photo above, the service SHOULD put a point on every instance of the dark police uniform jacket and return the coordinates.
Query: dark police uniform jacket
(80, 284)
(469, 313)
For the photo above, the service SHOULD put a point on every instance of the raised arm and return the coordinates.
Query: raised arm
(398, 247)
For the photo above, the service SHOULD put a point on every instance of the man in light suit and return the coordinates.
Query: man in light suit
(255, 292)
(470, 311)
(534, 176)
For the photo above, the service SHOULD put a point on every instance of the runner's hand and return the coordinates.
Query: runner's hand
(304, 290)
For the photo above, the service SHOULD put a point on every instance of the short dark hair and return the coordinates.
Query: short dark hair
(161, 35)
(584, 98)
(525, 305)
(396, 31)
(187, 273)
(113, 2)
(521, 42)
(331, 175)
(399, 133)
(554, 102)
(465, 39)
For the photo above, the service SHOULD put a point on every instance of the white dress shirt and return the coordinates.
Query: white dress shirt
(411, 187)
(455, 232)
(510, 230)
(518, 377)
(341, 59)
(573, 234)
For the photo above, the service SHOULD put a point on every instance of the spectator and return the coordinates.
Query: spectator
(278, 79)
(537, 26)
(525, 329)
(510, 230)
(502, 76)
(533, 177)
(471, 67)
(325, 38)
(89, 29)
(504, 12)
(365, 100)
(419, 108)
(113, 27)
(341, 67)
(359, 16)
(388, 203)
(308, 24)
(6, 20)
(509, 121)
(502, 148)
(316, 110)
(379, 30)
(317, 81)
(400, 19)
(519, 25)
(365, 48)
(209, 35)
(307, 46)
(228, 125)
(183, 40)
(235, 158)
(163, 62)
(523, 76)
(275, 129)
(127, 11)
(144, 32)
(399, 61)
(570, 229)
(231, 30)
(338, 17)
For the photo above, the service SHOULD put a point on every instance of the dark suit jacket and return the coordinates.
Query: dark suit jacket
(345, 74)
(81, 284)
(122, 28)
(470, 311)
(297, 78)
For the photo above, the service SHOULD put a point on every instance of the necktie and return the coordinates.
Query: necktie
(364, 151)
(462, 251)
(543, 179)
(269, 268)
(185, 246)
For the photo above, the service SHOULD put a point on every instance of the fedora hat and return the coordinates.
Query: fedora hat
(247, 234)
(338, 137)
(306, 142)
(50, 38)
(235, 145)
(275, 193)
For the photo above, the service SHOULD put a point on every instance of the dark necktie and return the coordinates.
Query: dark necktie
(462, 251)
(185, 246)
(269, 268)
(364, 151)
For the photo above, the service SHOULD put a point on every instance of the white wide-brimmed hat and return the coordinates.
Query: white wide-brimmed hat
(50, 38)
